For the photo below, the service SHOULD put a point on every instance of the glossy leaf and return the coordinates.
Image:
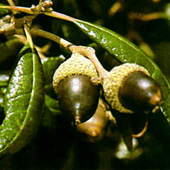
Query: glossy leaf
(166, 108)
(23, 103)
(125, 52)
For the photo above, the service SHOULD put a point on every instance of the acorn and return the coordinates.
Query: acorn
(76, 85)
(129, 88)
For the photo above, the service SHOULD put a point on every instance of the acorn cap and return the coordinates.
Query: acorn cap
(113, 81)
(77, 64)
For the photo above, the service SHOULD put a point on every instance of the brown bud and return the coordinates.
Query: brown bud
(94, 129)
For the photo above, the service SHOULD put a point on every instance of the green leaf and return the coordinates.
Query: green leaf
(1, 99)
(126, 52)
(50, 64)
(165, 108)
(52, 114)
(23, 103)
(10, 49)
(4, 78)
(52, 105)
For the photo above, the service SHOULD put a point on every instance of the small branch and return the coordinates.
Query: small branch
(22, 38)
(42, 7)
(18, 8)
(36, 10)
(83, 50)
(60, 16)
(11, 3)
(29, 38)
(51, 36)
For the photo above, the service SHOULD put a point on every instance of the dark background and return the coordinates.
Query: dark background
(56, 146)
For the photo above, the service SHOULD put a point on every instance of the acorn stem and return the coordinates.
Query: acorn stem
(102, 72)
(77, 121)
(142, 132)
(89, 52)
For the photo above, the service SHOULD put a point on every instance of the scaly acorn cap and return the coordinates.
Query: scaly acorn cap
(77, 64)
(113, 81)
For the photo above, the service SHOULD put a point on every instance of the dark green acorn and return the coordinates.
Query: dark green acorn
(78, 97)
(129, 88)
(140, 92)
(77, 92)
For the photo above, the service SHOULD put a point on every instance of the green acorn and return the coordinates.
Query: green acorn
(75, 82)
(129, 88)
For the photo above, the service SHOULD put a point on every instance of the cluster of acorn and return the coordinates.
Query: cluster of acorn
(127, 88)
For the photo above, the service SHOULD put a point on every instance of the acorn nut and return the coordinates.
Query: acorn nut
(129, 88)
(75, 82)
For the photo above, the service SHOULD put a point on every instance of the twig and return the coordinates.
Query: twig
(18, 8)
(51, 36)
(11, 3)
(60, 16)
(29, 38)
(88, 52)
